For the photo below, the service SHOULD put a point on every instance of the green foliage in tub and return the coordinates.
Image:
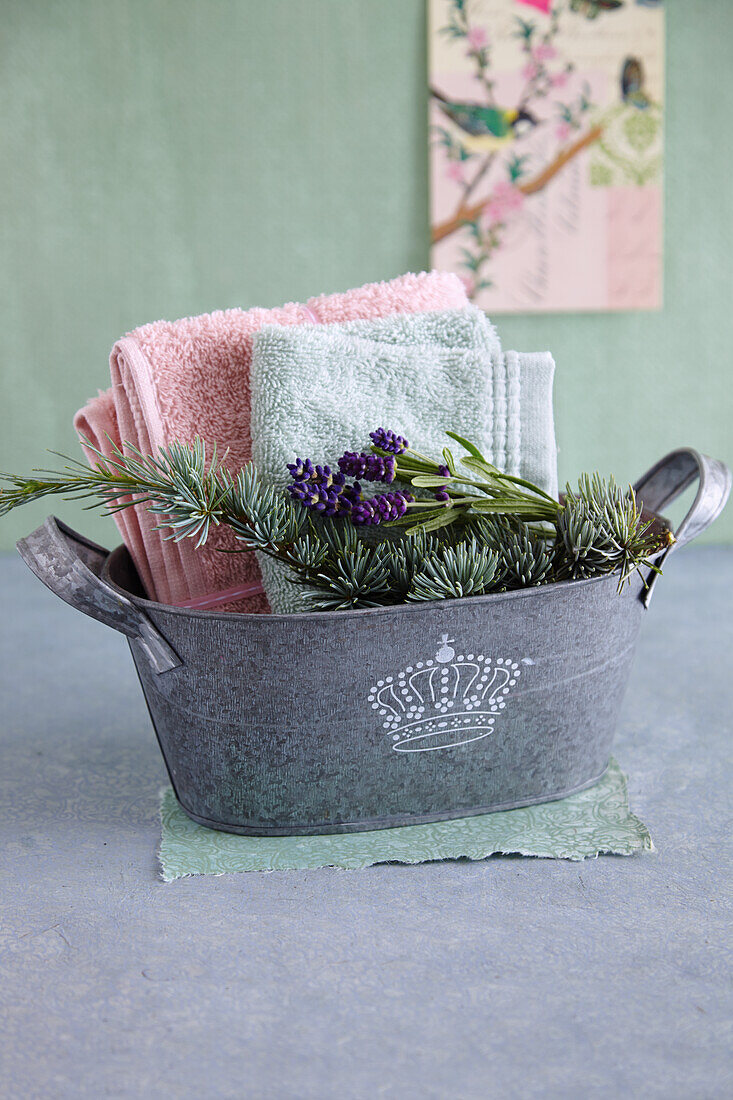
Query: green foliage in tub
(469, 530)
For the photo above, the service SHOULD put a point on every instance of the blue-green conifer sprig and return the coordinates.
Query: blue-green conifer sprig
(487, 531)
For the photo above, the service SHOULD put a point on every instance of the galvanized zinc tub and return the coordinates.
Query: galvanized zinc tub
(343, 721)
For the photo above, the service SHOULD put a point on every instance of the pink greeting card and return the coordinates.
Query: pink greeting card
(546, 130)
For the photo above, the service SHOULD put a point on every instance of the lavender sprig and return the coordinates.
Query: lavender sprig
(481, 489)
(368, 466)
(318, 487)
(597, 529)
(389, 441)
(381, 508)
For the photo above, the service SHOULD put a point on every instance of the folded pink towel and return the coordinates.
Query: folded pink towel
(175, 380)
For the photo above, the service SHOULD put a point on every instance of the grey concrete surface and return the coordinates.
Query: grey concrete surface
(506, 978)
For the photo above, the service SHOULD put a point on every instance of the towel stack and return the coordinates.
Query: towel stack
(410, 354)
(323, 388)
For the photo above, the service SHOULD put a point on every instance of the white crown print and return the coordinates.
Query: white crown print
(450, 700)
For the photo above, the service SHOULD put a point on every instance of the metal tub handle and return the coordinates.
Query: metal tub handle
(69, 565)
(664, 482)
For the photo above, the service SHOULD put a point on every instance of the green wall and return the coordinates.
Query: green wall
(168, 157)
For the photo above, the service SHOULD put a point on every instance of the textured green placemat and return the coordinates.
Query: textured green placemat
(585, 824)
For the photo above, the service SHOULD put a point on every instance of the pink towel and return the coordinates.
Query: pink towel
(175, 380)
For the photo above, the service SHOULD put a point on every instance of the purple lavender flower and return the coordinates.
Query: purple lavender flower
(321, 500)
(328, 493)
(368, 466)
(350, 496)
(352, 464)
(326, 477)
(301, 469)
(318, 487)
(363, 514)
(442, 494)
(389, 441)
(380, 509)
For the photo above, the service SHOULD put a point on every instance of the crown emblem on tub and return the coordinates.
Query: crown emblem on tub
(447, 700)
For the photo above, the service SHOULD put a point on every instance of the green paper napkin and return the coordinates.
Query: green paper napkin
(585, 824)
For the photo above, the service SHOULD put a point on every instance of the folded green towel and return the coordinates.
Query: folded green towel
(581, 826)
(318, 390)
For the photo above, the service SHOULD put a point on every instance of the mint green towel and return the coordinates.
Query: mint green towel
(318, 390)
(578, 827)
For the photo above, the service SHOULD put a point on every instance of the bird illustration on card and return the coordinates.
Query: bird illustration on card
(546, 156)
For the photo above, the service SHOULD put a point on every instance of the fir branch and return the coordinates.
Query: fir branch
(525, 556)
(358, 579)
(601, 530)
(452, 572)
(494, 531)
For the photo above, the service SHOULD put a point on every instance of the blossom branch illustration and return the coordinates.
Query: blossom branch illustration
(466, 213)
(469, 158)
(472, 184)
